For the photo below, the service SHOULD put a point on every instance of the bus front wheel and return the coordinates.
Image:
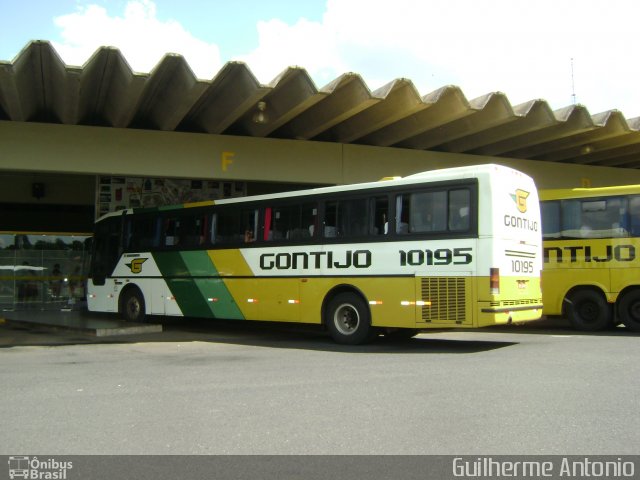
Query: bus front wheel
(132, 307)
(588, 311)
(629, 310)
(348, 319)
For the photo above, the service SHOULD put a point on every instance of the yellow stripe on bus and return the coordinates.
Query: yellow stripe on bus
(230, 263)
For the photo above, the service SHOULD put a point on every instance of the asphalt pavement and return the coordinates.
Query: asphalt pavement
(238, 388)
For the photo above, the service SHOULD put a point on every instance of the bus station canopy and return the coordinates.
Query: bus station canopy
(37, 86)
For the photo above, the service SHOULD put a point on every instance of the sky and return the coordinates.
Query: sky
(561, 51)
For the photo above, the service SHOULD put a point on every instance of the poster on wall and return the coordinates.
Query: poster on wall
(118, 193)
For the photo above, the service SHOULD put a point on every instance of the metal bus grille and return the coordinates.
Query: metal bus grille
(516, 303)
(447, 297)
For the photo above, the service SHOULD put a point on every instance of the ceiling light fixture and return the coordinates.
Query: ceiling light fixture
(261, 116)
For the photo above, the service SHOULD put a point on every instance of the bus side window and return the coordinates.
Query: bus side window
(402, 214)
(290, 222)
(170, 232)
(602, 218)
(213, 229)
(550, 219)
(330, 217)
(459, 210)
(249, 224)
(352, 217)
(141, 233)
(233, 225)
(571, 218)
(634, 216)
(281, 223)
(310, 218)
(380, 211)
(428, 212)
(228, 226)
(191, 230)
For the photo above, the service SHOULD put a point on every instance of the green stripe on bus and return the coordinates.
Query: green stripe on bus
(213, 290)
(182, 286)
(189, 298)
(198, 297)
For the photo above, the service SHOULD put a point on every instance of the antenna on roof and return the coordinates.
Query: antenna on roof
(573, 84)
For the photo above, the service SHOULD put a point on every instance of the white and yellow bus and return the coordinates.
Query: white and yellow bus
(459, 247)
(591, 269)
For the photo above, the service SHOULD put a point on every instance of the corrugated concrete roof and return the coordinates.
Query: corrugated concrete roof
(38, 87)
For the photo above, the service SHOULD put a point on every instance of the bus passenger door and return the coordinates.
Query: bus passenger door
(102, 297)
(159, 294)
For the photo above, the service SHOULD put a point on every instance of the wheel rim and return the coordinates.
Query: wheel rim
(634, 311)
(589, 312)
(346, 319)
(133, 308)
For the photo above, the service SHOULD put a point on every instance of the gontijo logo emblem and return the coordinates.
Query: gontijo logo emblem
(136, 265)
(520, 197)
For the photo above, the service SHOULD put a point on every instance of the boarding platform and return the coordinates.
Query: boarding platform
(79, 321)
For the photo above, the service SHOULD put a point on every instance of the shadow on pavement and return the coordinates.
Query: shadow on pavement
(272, 335)
(57, 328)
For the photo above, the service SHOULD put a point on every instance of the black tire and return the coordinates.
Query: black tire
(588, 311)
(348, 319)
(629, 310)
(133, 307)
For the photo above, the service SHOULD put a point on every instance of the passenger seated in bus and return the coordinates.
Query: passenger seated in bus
(422, 221)
(248, 236)
(402, 223)
(385, 224)
(460, 221)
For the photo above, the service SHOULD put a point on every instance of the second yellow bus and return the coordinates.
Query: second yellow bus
(591, 244)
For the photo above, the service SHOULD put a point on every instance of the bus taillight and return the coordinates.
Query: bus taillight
(494, 281)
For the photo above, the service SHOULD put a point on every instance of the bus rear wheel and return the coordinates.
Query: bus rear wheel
(348, 320)
(588, 311)
(629, 310)
(132, 307)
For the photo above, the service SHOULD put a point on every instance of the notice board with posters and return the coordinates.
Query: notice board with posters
(118, 193)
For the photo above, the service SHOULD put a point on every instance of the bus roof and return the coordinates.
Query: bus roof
(564, 193)
(454, 173)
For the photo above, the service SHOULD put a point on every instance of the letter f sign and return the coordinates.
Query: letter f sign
(227, 159)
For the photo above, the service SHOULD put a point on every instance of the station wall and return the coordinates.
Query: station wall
(67, 159)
